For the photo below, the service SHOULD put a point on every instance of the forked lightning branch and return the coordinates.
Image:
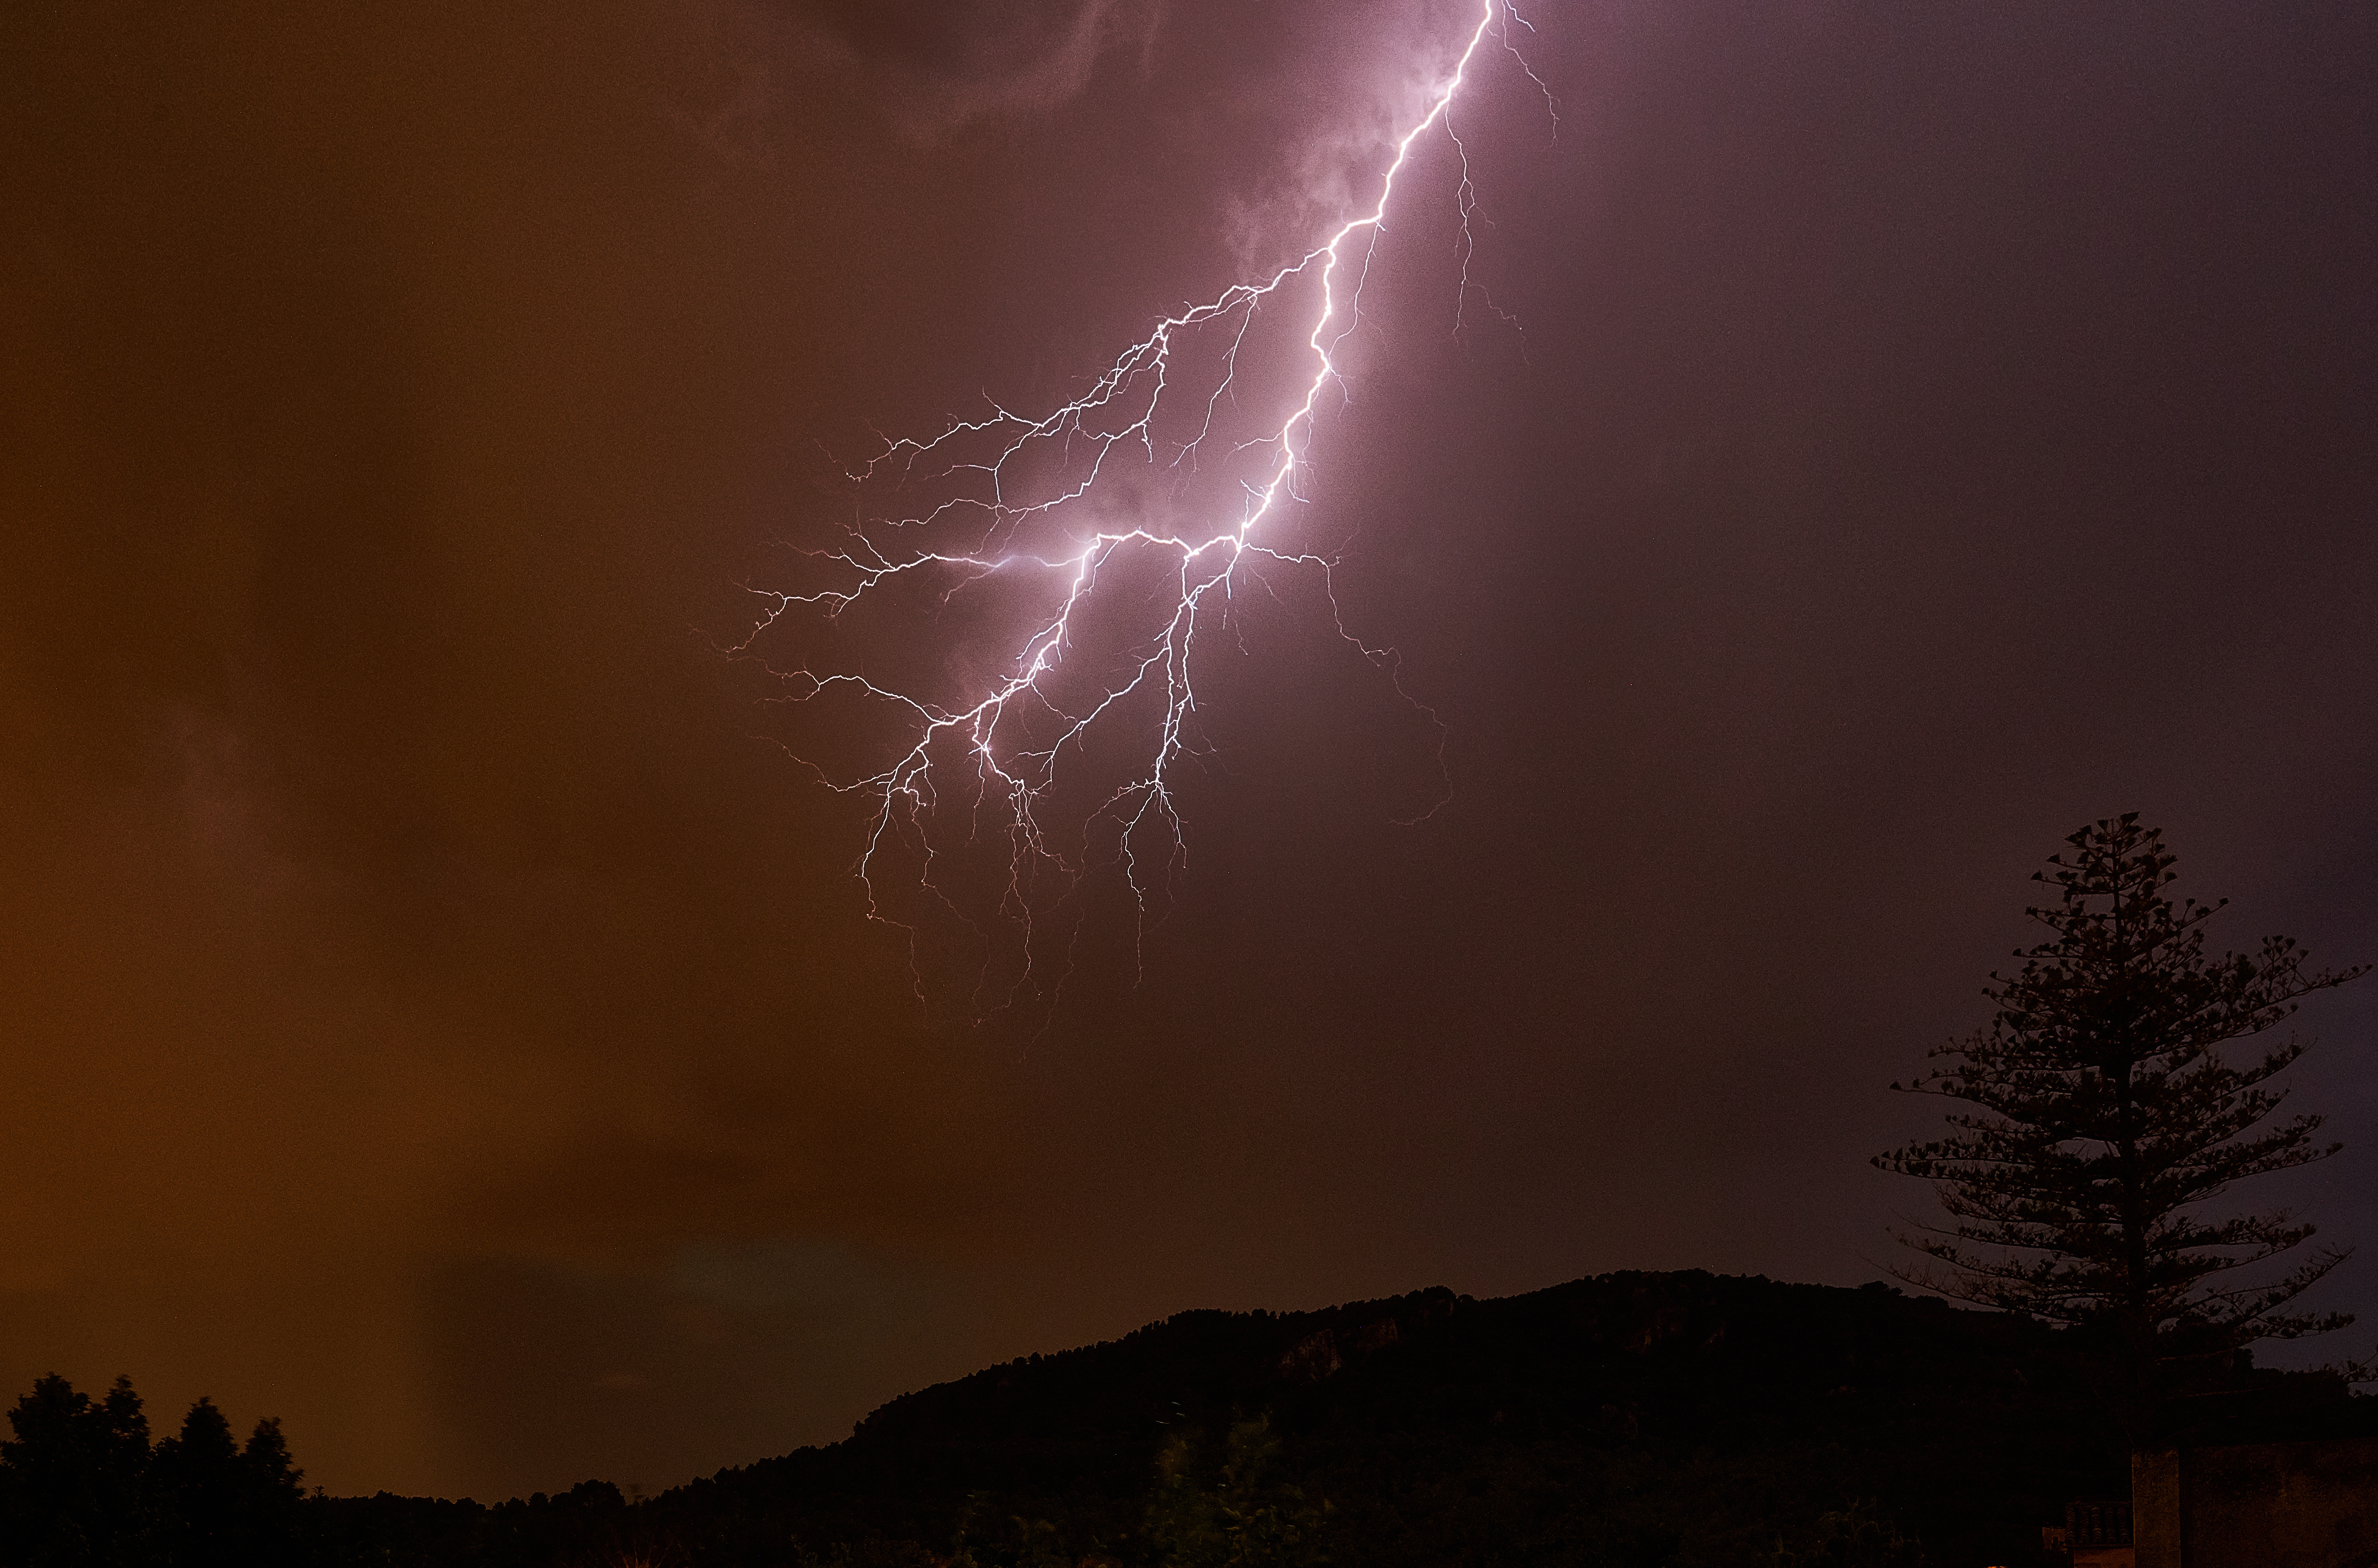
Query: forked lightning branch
(998, 655)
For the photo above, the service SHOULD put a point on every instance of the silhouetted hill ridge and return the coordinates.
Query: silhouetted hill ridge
(1667, 1420)
(1782, 1388)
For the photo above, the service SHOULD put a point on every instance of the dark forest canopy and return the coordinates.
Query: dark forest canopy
(1676, 1419)
(80, 1482)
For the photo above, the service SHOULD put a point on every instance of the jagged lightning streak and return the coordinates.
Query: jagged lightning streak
(1004, 491)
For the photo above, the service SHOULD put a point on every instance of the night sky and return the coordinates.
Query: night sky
(436, 1011)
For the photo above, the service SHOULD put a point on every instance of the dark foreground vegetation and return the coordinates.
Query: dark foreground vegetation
(80, 1482)
(1637, 1421)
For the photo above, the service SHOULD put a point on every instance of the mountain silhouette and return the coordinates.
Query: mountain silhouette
(1667, 1420)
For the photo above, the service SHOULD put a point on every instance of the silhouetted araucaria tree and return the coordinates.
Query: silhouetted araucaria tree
(2097, 1123)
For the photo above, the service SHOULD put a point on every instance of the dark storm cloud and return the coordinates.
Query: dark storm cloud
(965, 40)
(435, 1020)
(937, 68)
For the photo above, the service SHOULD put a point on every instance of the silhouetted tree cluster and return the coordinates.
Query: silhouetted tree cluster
(591, 1526)
(81, 1484)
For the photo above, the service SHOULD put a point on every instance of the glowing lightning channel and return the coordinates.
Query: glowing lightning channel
(1000, 484)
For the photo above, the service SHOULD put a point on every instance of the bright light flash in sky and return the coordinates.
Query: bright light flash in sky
(1000, 654)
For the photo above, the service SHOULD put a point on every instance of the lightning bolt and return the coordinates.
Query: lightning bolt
(1092, 548)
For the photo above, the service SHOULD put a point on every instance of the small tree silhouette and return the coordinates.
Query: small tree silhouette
(1246, 1520)
(1855, 1537)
